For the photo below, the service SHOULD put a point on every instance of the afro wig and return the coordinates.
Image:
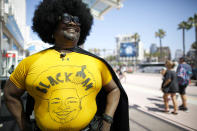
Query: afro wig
(46, 18)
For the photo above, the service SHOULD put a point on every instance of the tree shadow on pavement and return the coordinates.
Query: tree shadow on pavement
(154, 109)
(160, 97)
(154, 99)
(134, 106)
(162, 105)
(158, 105)
(158, 108)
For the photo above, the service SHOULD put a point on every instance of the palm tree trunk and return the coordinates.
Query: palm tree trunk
(196, 47)
(183, 42)
(161, 56)
(196, 33)
(196, 38)
(136, 54)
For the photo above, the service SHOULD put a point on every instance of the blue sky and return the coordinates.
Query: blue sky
(144, 17)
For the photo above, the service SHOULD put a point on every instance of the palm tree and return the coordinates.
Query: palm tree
(193, 22)
(95, 51)
(184, 26)
(161, 33)
(136, 38)
(104, 50)
(98, 52)
(90, 50)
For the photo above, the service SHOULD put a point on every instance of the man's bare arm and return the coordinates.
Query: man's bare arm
(113, 97)
(14, 103)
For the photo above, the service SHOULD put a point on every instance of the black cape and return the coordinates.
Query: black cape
(121, 116)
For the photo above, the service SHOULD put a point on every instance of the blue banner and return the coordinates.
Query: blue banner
(128, 49)
(14, 30)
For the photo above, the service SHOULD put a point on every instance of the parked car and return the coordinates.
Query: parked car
(151, 69)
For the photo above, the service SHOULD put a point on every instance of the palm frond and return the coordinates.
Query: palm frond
(161, 33)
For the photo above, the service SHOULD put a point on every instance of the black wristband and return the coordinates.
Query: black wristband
(107, 118)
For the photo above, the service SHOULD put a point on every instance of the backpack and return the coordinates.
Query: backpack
(183, 75)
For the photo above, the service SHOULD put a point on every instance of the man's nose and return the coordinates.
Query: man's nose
(72, 23)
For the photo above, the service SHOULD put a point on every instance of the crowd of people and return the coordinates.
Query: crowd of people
(175, 82)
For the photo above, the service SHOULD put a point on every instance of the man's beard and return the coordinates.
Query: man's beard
(71, 36)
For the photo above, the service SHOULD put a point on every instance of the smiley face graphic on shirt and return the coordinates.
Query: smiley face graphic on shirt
(64, 105)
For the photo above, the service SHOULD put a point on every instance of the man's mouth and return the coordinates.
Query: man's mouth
(71, 29)
(71, 32)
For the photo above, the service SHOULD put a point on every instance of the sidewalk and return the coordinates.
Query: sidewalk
(142, 121)
(143, 92)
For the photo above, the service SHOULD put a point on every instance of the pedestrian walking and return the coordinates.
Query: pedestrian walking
(11, 69)
(184, 72)
(121, 71)
(170, 87)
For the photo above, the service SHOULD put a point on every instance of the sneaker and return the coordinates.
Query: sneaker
(184, 109)
(174, 113)
(1, 125)
(166, 111)
(181, 107)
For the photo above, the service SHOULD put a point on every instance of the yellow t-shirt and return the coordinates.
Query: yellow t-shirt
(64, 89)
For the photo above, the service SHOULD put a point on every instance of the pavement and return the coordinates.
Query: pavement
(143, 121)
(145, 107)
(145, 96)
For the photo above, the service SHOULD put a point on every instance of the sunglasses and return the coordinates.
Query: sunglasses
(66, 19)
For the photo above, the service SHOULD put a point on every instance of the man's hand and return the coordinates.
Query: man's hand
(106, 126)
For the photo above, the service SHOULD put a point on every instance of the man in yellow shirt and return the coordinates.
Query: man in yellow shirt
(65, 81)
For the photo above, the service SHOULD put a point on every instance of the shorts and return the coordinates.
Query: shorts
(182, 89)
(165, 90)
